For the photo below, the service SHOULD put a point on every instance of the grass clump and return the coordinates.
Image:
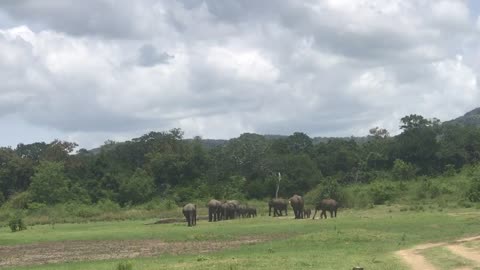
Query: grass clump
(124, 266)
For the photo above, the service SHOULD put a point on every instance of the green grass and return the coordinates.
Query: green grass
(357, 237)
(443, 259)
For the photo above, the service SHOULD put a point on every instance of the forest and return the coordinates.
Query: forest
(164, 166)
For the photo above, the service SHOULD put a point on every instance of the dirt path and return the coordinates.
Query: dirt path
(57, 252)
(465, 252)
(416, 261)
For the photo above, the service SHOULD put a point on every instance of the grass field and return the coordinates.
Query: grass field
(357, 237)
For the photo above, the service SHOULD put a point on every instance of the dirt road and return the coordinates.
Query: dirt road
(416, 261)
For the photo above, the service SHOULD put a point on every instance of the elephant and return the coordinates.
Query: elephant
(229, 210)
(190, 213)
(307, 212)
(242, 211)
(329, 205)
(297, 204)
(251, 212)
(236, 208)
(214, 208)
(278, 206)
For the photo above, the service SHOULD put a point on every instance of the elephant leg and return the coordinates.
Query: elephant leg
(315, 214)
(331, 214)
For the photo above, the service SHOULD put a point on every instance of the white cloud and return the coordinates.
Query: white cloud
(220, 68)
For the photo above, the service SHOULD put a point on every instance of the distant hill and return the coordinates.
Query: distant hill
(471, 118)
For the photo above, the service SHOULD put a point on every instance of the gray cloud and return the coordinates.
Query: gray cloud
(148, 56)
(94, 70)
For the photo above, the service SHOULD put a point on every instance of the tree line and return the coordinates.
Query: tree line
(165, 165)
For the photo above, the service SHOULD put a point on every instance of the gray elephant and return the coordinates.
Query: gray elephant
(329, 205)
(278, 205)
(228, 210)
(214, 208)
(297, 204)
(251, 212)
(236, 208)
(190, 213)
(307, 212)
(242, 210)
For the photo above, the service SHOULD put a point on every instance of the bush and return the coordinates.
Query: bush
(473, 192)
(357, 197)
(329, 188)
(108, 206)
(381, 192)
(17, 224)
(49, 183)
(20, 200)
(138, 188)
(449, 170)
(124, 266)
(403, 170)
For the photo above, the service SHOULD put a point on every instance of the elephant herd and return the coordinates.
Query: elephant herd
(232, 209)
(297, 203)
(218, 211)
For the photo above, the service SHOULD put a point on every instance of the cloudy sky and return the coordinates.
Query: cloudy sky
(88, 71)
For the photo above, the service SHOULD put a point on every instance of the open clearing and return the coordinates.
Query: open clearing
(368, 238)
(69, 251)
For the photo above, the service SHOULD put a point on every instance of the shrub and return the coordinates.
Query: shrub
(17, 224)
(108, 206)
(124, 266)
(381, 192)
(20, 200)
(357, 197)
(138, 188)
(473, 191)
(49, 183)
(403, 170)
(449, 170)
(328, 188)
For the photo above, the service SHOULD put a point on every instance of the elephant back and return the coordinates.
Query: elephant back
(189, 207)
(328, 204)
(214, 203)
(277, 202)
(235, 203)
(296, 200)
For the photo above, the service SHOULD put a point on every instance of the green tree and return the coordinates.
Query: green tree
(49, 183)
(403, 170)
(138, 188)
(418, 143)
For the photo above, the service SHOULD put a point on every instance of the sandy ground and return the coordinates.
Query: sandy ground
(416, 261)
(58, 252)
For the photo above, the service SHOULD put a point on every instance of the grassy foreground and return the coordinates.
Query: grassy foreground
(357, 237)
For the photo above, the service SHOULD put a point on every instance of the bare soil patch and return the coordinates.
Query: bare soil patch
(58, 252)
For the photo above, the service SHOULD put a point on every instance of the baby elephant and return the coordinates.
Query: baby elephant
(190, 213)
(307, 212)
